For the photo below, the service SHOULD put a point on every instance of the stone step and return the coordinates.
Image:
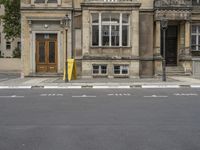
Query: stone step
(175, 71)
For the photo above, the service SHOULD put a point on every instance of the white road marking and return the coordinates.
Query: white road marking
(111, 87)
(15, 87)
(156, 96)
(53, 95)
(185, 94)
(84, 96)
(62, 87)
(12, 96)
(195, 86)
(160, 86)
(119, 94)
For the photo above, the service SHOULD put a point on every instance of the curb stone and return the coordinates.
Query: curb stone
(102, 87)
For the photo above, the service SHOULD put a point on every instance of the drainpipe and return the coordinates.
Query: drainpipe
(72, 30)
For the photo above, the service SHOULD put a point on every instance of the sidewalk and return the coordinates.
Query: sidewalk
(9, 81)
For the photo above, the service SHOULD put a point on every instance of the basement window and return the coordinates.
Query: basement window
(121, 69)
(99, 69)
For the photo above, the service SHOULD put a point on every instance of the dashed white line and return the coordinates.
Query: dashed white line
(160, 86)
(12, 96)
(84, 96)
(156, 96)
(62, 87)
(185, 94)
(52, 95)
(111, 87)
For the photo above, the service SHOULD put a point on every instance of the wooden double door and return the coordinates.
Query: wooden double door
(46, 53)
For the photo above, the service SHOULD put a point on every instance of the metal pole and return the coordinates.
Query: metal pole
(164, 61)
(66, 64)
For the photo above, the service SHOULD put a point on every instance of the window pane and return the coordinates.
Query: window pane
(52, 1)
(198, 41)
(124, 35)
(95, 69)
(42, 52)
(95, 35)
(105, 17)
(125, 18)
(116, 69)
(124, 69)
(115, 18)
(194, 29)
(103, 69)
(115, 36)
(198, 27)
(194, 40)
(39, 1)
(105, 35)
(52, 52)
(194, 47)
(8, 45)
(95, 18)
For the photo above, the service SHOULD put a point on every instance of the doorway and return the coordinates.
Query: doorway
(171, 45)
(46, 53)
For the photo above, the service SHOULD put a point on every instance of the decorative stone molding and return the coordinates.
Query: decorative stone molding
(173, 14)
(185, 54)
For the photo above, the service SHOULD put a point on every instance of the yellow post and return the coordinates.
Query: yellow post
(71, 69)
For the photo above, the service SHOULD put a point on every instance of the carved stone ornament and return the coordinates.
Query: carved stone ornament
(172, 14)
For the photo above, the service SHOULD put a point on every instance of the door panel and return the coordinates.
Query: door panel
(46, 53)
(171, 46)
(52, 52)
(41, 52)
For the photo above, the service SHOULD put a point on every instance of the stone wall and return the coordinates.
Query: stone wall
(10, 64)
(146, 44)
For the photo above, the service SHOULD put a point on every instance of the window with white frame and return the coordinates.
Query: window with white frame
(121, 69)
(110, 29)
(195, 37)
(99, 69)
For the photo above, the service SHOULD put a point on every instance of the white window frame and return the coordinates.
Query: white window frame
(100, 69)
(197, 35)
(121, 68)
(121, 24)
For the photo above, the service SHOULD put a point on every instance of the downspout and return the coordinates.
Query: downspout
(72, 30)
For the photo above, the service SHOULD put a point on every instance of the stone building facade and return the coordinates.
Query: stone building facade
(109, 38)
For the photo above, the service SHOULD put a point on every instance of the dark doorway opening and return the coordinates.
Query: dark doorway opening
(171, 45)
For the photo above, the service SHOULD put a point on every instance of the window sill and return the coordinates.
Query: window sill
(121, 75)
(100, 75)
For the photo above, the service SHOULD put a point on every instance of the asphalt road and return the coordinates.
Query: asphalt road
(105, 119)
